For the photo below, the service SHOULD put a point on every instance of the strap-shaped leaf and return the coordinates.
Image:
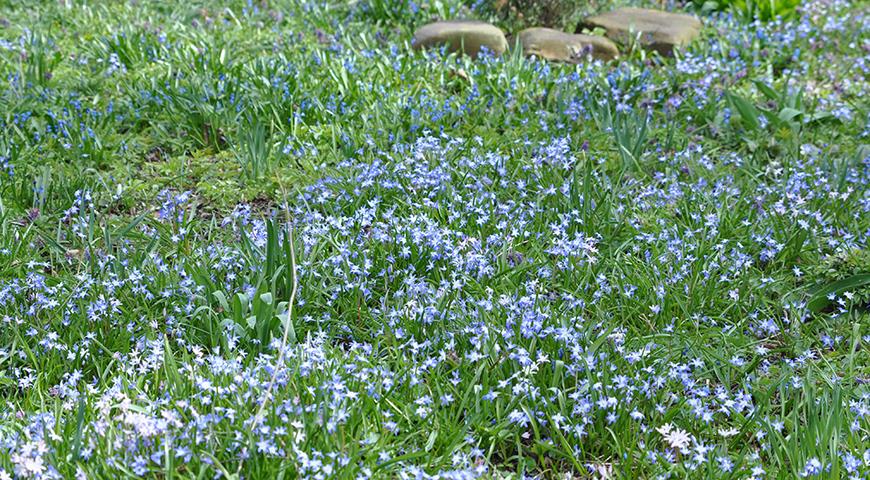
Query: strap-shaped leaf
(819, 299)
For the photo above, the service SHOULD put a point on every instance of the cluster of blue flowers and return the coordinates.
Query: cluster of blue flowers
(461, 307)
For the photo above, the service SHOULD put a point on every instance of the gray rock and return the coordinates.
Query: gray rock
(466, 36)
(659, 31)
(559, 46)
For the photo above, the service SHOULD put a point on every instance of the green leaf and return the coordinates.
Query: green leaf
(77, 438)
(170, 366)
(787, 114)
(768, 92)
(130, 226)
(747, 111)
(240, 307)
(819, 116)
(287, 323)
(222, 300)
(431, 441)
(819, 299)
(266, 298)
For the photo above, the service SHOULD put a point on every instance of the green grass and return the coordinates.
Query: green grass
(271, 240)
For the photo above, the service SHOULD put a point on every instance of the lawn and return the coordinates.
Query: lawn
(274, 240)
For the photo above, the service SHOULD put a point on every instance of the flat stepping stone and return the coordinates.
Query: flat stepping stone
(559, 46)
(467, 36)
(659, 31)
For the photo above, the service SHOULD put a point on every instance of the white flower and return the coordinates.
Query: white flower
(730, 432)
(28, 466)
(676, 438)
(665, 429)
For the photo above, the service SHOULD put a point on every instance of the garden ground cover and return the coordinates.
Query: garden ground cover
(272, 240)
